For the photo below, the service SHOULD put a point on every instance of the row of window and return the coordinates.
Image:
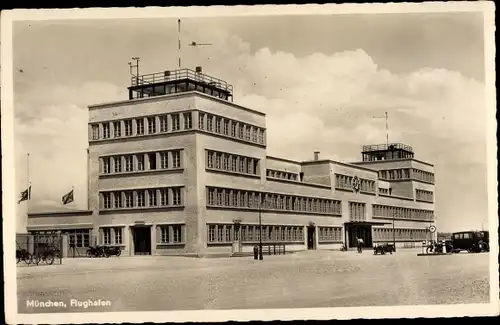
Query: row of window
(230, 128)
(387, 191)
(399, 234)
(423, 176)
(220, 233)
(395, 174)
(346, 183)
(330, 234)
(169, 234)
(166, 234)
(225, 197)
(142, 198)
(141, 162)
(76, 237)
(423, 195)
(142, 125)
(112, 235)
(389, 212)
(357, 211)
(282, 175)
(232, 163)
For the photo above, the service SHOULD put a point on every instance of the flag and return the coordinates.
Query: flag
(25, 195)
(68, 198)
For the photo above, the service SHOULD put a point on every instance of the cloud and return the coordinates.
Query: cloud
(332, 103)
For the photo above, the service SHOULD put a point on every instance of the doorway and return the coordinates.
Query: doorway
(237, 238)
(359, 231)
(142, 240)
(311, 234)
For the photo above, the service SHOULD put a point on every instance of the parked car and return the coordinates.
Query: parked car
(471, 241)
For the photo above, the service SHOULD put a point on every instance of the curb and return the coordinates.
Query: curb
(434, 254)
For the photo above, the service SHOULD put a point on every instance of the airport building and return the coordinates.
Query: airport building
(179, 168)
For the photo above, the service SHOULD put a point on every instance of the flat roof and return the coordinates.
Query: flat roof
(391, 160)
(180, 94)
(51, 213)
(312, 162)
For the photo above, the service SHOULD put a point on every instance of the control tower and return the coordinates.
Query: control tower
(178, 81)
(391, 151)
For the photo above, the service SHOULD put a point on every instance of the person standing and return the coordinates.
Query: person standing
(360, 244)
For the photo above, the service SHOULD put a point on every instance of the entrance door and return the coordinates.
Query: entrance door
(237, 239)
(142, 240)
(311, 232)
(360, 231)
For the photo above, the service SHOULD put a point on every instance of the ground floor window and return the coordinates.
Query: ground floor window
(381, 234)
(170, 234)
(330, 234)
(225, 233)
(112, 235)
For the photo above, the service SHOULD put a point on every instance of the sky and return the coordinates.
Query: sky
(324, 83)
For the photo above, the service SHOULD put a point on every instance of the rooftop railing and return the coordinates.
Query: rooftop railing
(181, 74)
(379, 147)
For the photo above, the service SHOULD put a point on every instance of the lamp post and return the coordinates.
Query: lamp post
(261, 257)
(393, 231)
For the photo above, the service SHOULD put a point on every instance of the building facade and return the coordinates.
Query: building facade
(180, 169)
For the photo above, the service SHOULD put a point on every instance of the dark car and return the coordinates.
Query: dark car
(471, 241)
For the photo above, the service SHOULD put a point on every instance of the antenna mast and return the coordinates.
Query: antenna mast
(179, 40)
(136, 66)
(387, 129)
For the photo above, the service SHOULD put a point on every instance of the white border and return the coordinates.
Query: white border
(9, 195)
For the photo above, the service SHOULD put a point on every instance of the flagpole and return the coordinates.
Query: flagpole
(29, 183)
(88, 179)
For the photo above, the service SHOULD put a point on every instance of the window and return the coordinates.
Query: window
(201, 121)
(188, 121)
(118, 164)
(165, 234)
(140, 199)
(140, 126)
(105, 131)
(176, 124)
(261, 136)
(106, 165)
(129, 163)
(163, 160)
(106, 234)
(176, 193)
(151, 125)
(117, 129)
(106, 200)
(177, 233)
(240, 131)
(176, 159)
(164, 197)
(217, 124)
(95, 132)
(163, 123)
(209, 123)
(254, 134)
(211, 233)
(128, 199)
(233, 129)
(118, 236)
(78, 237)
(128, 127)
(210, 159)
(152, 198)
(140, 162)
(118, 200)
(248, 133)
(226, 127)
(152, 161)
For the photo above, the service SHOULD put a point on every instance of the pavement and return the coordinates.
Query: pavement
(300, 280)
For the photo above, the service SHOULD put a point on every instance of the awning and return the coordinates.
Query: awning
(367, 223)
(60, 226)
